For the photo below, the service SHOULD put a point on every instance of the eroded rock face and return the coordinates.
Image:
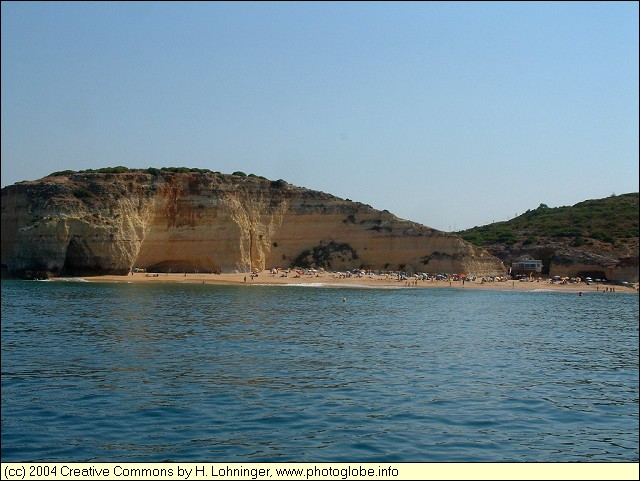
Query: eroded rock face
(97, 223)
(560, 259)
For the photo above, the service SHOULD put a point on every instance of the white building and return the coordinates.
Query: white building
(526, 265)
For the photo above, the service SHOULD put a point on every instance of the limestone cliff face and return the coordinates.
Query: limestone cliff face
(99, 223)
(62, 226)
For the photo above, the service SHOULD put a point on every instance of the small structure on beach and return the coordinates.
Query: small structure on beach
(526, 265)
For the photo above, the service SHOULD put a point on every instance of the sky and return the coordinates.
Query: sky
(450, 114)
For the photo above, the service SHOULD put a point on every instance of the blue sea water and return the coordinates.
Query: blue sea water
(98, 372)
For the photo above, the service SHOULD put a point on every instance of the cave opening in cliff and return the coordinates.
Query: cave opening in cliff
(77, 261)
(594, 274)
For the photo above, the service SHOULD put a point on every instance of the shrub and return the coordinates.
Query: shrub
(62, 172)
(577, 242)
(82, 193)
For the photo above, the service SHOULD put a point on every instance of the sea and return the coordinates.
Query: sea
(125, 372)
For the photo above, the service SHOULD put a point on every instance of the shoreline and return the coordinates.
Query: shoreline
(334, 280)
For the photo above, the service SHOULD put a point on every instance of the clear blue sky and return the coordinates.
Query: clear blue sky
(448, 114)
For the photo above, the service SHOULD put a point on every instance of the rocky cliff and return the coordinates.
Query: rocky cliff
(108, 223)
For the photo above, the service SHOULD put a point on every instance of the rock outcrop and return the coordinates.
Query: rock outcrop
(110, 223)
(560, 259)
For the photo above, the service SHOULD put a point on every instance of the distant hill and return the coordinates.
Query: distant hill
(595, 236)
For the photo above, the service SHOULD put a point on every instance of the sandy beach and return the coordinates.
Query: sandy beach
(329, 279)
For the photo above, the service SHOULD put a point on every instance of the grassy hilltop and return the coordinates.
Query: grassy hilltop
(605, 228)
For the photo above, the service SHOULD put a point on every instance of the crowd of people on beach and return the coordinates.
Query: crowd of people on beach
(413, 279)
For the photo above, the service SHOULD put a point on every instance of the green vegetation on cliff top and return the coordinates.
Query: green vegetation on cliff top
(610, 220)
(153, 171)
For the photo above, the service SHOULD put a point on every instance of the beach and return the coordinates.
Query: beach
(332, 279)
